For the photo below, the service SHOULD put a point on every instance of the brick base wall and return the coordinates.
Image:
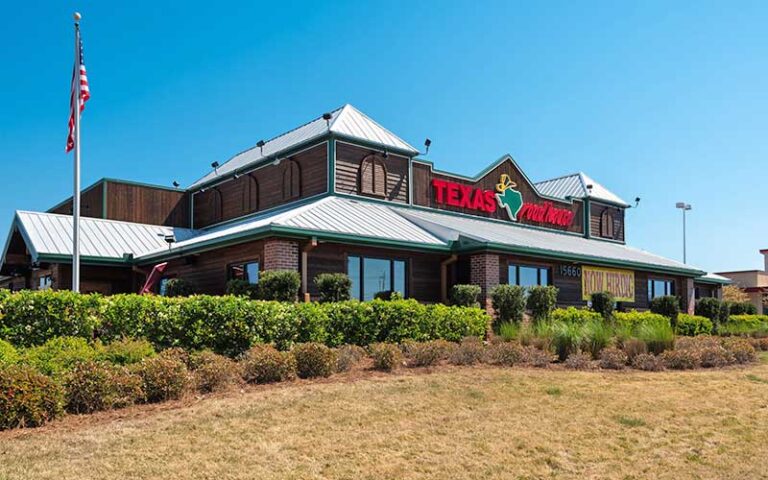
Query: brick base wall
(281, 255)
(484, 272)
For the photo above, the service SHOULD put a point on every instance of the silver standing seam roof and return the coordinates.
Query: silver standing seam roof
(575, 186)
(346, 121)
(333, 218)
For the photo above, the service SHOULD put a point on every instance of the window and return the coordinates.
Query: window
(373, 176)
(606, 224)
(370, 276)
(660, 288)
(45, 282)
(250, 194)
(528, 275)
(215, 205)
(291, 180)
(248, 271)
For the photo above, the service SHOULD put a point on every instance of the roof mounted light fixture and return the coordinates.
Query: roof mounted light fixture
(169, 238)
(215, 166)
(427, 144)
(176, 184)
(589, 188)
(386, 153)
(637, 202)
(261, 144)
(327, 117)
(236, 175)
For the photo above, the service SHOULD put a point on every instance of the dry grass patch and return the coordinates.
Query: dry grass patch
(457, 422)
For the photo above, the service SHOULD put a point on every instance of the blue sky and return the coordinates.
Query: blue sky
(662, 100)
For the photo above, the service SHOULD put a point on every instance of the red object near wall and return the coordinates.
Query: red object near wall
(153, 278)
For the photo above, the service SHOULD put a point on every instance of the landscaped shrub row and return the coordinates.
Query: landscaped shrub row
(228, 325)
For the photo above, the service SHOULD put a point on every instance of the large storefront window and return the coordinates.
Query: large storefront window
(248, 271)
(528, 275)
(660, 288)
(370, 276)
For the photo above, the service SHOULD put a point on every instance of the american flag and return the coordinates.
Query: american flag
(85, 94)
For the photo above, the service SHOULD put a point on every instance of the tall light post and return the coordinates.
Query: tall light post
(684, 207)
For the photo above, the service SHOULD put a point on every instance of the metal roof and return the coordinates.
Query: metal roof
(346, 121)
(50, 235)
(714, 278)
(575, 186)
(334, 218)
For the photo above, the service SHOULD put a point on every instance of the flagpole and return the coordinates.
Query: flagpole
(76, 193)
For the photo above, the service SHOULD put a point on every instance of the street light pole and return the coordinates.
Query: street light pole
(684, 207)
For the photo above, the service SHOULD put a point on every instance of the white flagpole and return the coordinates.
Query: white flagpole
(76, 193)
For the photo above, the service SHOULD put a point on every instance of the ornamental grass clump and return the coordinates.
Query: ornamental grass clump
(597, 335)
(93, 386)
(265, 364)
(567, 338)
(347, 356)
(634, 347)
(386, 356)
(28, 398)
(427, 354)
(470, 351)
(613, 359)
(314, 360)
(213, 372)
(657, 335)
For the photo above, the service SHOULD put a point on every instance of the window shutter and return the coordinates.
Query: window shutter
(373, 176)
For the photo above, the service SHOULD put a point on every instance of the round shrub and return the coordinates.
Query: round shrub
(613, 359)
(541, 301)
(8, 354)
(28, 398)
(509, 304)
(333, 287)
(126, 351)
(537, 357)
(505, 354)
(347, 356)
(742, 308)
(426, 354)
(265, 364)
(178, 287)
(711, 308)
(58, 355)
(163, 378)
(314, 360)
(465, 295)
(470, 351)
(213, 372)
(242, 288)
(692, 325)
(648, 362)
(386, 356)
(93, 386)
(741, 350)
(686, 359)
(279, 285)
(667, 305)
(603, 303)
(579, 361)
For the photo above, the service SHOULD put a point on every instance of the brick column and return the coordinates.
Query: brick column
(281, 255)
(484, 272)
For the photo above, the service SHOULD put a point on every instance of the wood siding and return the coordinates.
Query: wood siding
(424, 195)
(596, 211)
(348, 174)
(144, 204)
(264, 188)
(91, 203)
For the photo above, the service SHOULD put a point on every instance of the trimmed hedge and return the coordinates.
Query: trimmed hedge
(229, 325)
(692, 325)
(745, 325)
(574, 315)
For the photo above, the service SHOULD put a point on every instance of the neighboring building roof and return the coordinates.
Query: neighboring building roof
(49, 236)
(714, 278)
(334, 218)
(575, 186)
(346, 121)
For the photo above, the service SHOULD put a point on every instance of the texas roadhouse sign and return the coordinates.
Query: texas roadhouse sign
(506, 196)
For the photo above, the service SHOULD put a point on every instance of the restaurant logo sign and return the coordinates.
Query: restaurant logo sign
(506, 196)
(621, 283)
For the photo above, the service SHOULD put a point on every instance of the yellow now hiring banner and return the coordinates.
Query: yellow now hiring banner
(621, 283)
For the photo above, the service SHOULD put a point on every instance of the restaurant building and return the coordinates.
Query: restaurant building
(343, 194)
